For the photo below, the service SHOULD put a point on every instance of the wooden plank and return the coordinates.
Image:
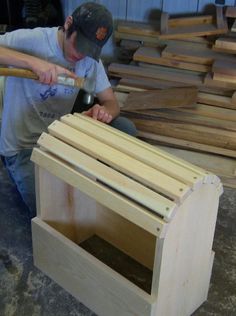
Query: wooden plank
(157, 99)
(216, 100)
(150, 84)
(173, 116)
(181, 143)
(153, 55)
(127, 84)
(196, 53)
(137, 149)
(165, 185)
(194, 30)
(107, 175)
(134, 71)
(226, 42)
(209, 81)
(224, 67)
(223, 50)
(88, 279)
(211, 111)
(117, 203)
(220, 77)
(196, 133)
(148, 148)
(223, 167)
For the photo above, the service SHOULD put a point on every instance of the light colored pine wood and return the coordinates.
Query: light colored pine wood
(75, 180)
(92, 282)
(172, 272)
(170, 187)
(107, 175)
(142, 151)
(101, 194)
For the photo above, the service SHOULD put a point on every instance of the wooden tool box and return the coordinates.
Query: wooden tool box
(141, 208)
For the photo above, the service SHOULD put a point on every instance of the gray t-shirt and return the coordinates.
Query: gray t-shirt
(29, 106)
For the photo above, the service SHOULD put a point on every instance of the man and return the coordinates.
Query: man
(30, 106)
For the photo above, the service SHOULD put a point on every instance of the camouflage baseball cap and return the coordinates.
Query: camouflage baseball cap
(94, 25)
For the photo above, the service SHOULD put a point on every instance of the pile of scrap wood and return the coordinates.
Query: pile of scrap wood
(179, 86)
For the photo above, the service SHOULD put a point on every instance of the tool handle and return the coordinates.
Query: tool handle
(28, 74)
(17, 72)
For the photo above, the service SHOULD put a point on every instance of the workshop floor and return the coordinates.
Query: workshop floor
(25, 291)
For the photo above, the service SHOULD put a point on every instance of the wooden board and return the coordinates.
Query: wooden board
(174, 116)
(153, 55)
(224, 68)
(166, 98)
(197, 28)
(227, 43)
(216, 100)
(196, 53)
(196, 133)
(187, 144)
(223, 167)
(134, 71)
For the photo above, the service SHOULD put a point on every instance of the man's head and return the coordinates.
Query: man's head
(93, 25)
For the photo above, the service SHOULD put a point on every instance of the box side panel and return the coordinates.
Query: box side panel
(187, 255)
(89, 280)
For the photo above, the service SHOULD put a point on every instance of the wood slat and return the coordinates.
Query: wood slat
(119, 204)
(188, 144)
(153, 55)
(211, 111)
(134, 71)
(194, 30)
(216, 100)
(157, 99)
(145, 146)
(109, 176)
(196, 53)
(224, 67)
(196, 133)
(173, 116)
(150, 177)
(136, 149)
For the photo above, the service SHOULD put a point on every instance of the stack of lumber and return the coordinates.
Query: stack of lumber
(169, 63)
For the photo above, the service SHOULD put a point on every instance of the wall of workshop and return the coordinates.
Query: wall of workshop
(145, 10)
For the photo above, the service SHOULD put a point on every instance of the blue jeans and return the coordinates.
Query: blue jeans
(21, 168)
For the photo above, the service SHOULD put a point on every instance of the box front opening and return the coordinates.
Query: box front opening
(122, 245)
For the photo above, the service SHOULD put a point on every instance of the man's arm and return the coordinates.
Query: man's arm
(46, 71)
(107, 110)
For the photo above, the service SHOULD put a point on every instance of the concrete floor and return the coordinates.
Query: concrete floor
(25, 291)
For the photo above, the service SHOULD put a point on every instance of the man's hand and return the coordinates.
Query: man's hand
(100, 113)
(48, 72)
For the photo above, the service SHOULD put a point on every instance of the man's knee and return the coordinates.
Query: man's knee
(125, 125)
